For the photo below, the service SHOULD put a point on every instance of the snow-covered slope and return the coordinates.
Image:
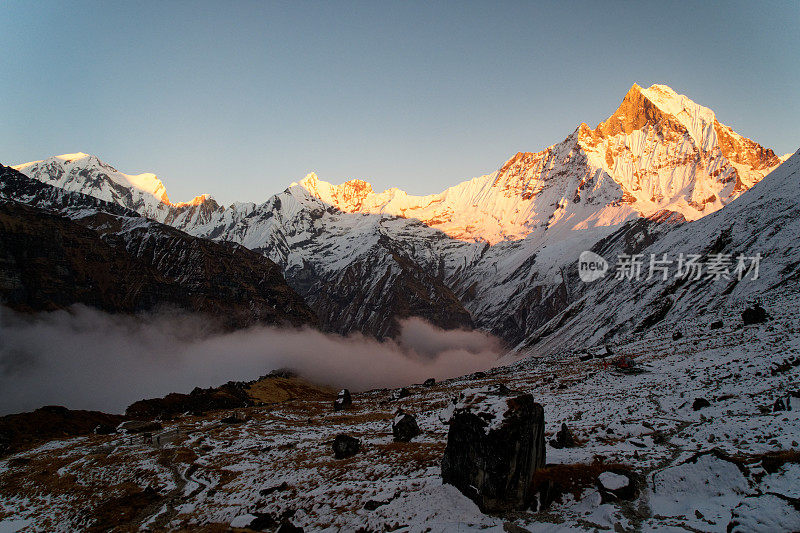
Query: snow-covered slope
(765, 221)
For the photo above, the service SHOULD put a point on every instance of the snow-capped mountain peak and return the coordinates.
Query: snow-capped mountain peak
(659, 150)
(87, 174)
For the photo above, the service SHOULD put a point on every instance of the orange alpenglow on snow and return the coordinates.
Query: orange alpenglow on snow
(658, 151)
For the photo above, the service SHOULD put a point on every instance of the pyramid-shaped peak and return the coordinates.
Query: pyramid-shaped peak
(658, 104)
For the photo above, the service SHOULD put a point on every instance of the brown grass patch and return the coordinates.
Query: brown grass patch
(773, 461)
(554, 481)
(279, 389)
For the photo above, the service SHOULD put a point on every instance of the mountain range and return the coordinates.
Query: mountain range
(496, 252)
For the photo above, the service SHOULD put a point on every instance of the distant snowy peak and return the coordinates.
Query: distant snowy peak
(85, 173)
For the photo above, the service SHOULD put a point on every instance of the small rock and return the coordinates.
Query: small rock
(430, 382)
(399, 394)
(345, 446)
(238, 417)
(343, 400)
(754, 315)
(277, 488)
(104, 429)
(404, 427)
(778, 405)
(371, 505)
(700, 403)
(717, 324)
(677, 335)
(712, 438)
(614, 486)
(563, 439)
(659, 437)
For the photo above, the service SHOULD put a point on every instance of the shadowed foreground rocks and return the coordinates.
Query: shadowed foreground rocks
(494, 445)
(232, 395)
(24, 430)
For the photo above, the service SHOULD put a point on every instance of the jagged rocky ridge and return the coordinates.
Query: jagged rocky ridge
(764, 221)
(61, 248)
(492, 252)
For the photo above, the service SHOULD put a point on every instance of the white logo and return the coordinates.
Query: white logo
(591, 266)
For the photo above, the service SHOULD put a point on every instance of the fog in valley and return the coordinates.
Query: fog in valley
(87, 359)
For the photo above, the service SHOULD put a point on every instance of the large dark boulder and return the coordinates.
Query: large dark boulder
(345, 446)
(700, 403)
(404, 427)
(754, 315)
(343, 400)
(494, 445)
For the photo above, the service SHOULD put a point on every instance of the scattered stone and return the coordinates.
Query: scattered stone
(563, 439)
(104, 429)
(239, 417)
(754, 315)
(139, 426)
(345, 446)
(399, 394)
(430, 382)
(717, 324)
(494, 444)
(371, 505)
(277, 488)
(404, 427)
(614, 486)
(343, 400)
(779, 405)
(700, 403)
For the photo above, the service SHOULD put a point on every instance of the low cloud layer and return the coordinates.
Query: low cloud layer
(87, 359)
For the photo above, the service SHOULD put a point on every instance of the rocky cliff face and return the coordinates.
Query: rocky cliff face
(67, 248)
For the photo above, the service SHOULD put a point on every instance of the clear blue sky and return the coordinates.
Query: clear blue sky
(238, 99)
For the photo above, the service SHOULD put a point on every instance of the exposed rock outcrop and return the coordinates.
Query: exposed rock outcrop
(494, 445)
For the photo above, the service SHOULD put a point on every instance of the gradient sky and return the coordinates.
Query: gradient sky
(239, 99)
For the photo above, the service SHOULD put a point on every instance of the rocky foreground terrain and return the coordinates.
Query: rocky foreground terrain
(692, 428)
